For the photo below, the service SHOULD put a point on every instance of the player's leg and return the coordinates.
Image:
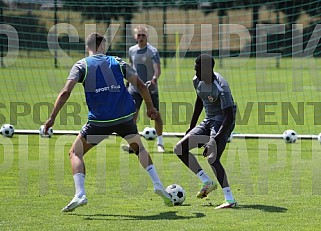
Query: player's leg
(138, 102)
(214, 157)
(76, 153)
(128, 131)
(193, 139)
(182, 148)
(82, 144)
(158, 124)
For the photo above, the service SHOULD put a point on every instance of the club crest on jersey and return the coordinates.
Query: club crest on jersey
(210, 98)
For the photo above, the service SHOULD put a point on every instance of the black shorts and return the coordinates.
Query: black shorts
(138, 100)
(209, 127)
(95, 134)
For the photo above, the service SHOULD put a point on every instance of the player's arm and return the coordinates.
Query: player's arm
(227, 105)
(228, 114)
(60, 101)
(157, 72)
(131, 62)
(77, 74)
(198, 107)
(131, 76)
(136, 81)
(228, 120)
(157, 67)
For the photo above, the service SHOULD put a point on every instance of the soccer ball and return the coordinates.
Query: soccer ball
(7, 130)
(290, 136)
(177, 194)
(42, 132)
(319, 137)
(149, 133)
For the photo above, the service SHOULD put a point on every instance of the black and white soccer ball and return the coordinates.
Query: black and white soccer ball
(290, 136)
(7, 130)
(149, 133)
(43, 134)
(177, 194)
(319, 137)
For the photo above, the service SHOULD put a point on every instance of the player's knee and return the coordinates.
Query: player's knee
(138, 148)
(74, 153)
(181, 151)
(71, 153)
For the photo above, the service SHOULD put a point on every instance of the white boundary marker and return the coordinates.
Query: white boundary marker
(175, 134)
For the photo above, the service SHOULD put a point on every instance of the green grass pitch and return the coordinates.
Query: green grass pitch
(277, 185)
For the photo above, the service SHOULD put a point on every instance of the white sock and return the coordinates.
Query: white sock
(160, 140)
(79, 179)
(151, 170)
(228, 194)
(203, 176)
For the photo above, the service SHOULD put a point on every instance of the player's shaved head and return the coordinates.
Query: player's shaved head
(204, 65)
(205, 60)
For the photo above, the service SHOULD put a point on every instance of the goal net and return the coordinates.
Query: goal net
(268, 51)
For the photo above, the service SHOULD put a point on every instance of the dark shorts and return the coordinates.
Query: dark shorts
(209, 128)
(95, 134)
(138, 100)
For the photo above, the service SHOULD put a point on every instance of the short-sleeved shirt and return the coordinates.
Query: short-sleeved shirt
(215, 96)
(143, 60)
(78, 71)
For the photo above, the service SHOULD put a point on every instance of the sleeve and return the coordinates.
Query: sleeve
(130, 55)
(155, 57)
(195, 82)
(78, 71)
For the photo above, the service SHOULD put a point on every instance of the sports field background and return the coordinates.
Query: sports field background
(270, 100)
(277, 185)
(272, 94)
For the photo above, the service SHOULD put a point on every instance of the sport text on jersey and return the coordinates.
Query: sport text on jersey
(112, 88)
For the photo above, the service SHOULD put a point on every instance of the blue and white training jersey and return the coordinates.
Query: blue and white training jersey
(107, 98)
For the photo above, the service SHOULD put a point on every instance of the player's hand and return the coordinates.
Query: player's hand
(150, 85)
(210, 150)
(205, 152)
(154, 80)
(152, 113)
(49, 123)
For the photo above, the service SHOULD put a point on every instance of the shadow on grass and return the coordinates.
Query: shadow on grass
(171, 215)
(264, 208)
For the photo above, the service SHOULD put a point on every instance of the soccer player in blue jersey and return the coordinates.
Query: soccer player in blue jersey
(214, 95)
(145, 59)
(111, 109)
